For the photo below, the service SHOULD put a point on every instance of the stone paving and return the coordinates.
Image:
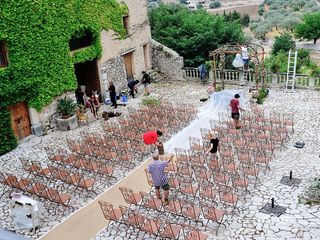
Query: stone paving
(33, 148)
(299, 221)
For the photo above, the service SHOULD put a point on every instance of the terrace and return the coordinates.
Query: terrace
(242, 220)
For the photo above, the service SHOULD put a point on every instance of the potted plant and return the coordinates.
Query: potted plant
(66, 109)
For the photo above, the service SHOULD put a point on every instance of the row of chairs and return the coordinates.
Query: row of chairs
(68, 176)
(190, 211)
(36, 188)
(152, 227)
(80, 162)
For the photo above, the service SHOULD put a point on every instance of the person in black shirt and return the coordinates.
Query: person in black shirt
(146, 80)
(80, 96)
(132, 85)
(112, 91)
(214, 143)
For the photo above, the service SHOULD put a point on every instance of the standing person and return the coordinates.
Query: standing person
(152, 138)
(94, 104)
(214, 143)
(159, 178)
(112, 91)
(202, 72)
(79, 96)
(146, 80)
(132, 85)
(235, 113)
(245, 56)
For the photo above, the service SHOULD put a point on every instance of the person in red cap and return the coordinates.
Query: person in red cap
(152, 138)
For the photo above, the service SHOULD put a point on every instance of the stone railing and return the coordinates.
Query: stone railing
(190, 73)
(272, 79)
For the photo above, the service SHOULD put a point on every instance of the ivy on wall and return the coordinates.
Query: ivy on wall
(41, 66)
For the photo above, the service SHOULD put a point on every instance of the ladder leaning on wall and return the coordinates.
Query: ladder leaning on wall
(291, 73)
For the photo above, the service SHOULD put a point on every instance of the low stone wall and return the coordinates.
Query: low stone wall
(166, 61)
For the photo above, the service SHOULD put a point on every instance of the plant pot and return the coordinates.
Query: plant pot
(65, 124)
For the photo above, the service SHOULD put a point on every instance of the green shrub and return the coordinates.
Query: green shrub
(66, 106)
(150, 101)
(215, 4)
(284, 42)
(218, 89)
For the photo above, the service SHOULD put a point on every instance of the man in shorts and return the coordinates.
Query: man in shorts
(235, 113)
(146, 80)
(159, 178)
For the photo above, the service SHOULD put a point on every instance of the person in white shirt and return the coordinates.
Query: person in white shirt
(245, 56)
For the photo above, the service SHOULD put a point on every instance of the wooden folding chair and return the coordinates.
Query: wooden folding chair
(131, 218)
(60, 198)
(207, 191)
(150, 202)
(187, 188)
(213, 214)
(111, 214)
(227, 196)
(169, 230)
(191, 233)
(190, 212)
(150, 227)
(129, 196)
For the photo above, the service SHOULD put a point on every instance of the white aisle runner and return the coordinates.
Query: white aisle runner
(217, 103)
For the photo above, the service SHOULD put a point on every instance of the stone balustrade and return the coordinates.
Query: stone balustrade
(272, 79)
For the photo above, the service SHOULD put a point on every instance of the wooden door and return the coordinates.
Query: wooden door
(128, 63)
(87, 74)
(20, 120)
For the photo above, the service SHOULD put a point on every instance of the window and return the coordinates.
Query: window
(3, 54)
(125, 21)
(81, 42)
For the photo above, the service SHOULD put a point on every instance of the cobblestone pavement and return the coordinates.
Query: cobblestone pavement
(33, 148)
(299, 221)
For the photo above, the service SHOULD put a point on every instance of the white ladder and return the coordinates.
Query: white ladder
(291, 73)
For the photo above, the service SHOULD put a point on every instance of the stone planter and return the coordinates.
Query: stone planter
(67, 124)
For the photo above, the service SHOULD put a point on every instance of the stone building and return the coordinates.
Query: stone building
(120, 59)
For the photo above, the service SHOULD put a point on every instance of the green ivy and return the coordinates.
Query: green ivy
(7, 139)
(41, 66)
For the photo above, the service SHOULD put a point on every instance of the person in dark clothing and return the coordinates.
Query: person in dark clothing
(112, 92)
(132, 85)
(214, 143)
(80, 96)
(146, 80)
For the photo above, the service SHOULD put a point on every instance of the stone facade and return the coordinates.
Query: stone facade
(136, 44)
(114, 70)
(166, 61)
(112, 65)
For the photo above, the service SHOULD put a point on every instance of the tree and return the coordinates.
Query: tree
(199, 6)
(283, 42)
(261, 11)
(215, 4)
(245, 20)
(290, 22)
(310, 27)
(192, 33)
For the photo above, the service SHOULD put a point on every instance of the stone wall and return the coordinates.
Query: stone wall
(45, 120)
(138, 36)
(166, 61)
(114, 70)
